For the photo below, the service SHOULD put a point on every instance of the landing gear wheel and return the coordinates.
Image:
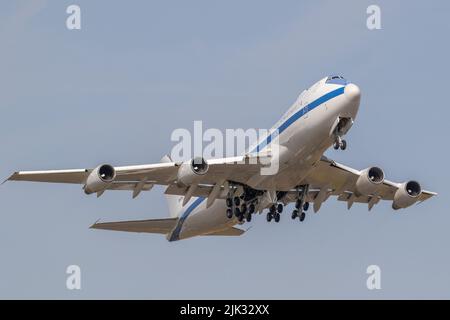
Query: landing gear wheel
(241, 218)
(306, 206)
(269, 217)
(244, 208)
(277, 217)
(298, 204)
(248, 217)
(302, 216)
(343, 145)
(237, 212)
(280, 208)
(229, 213)
(237, 201)
(251, 209)
(229, 202)
(272, 209)
(336, 145)
(294, 214)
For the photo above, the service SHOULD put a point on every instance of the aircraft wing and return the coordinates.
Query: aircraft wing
(327, 178)
(162, 173)
(235, 168)
(330, 178)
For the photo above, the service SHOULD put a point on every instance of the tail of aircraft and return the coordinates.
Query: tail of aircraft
(175, 203)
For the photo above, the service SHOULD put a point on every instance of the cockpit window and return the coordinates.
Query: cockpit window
(336, 80)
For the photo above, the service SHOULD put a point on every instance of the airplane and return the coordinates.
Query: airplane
(214, 197)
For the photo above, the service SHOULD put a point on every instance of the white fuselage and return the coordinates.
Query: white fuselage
(304, 133)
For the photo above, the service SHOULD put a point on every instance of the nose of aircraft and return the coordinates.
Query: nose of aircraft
(352, 93)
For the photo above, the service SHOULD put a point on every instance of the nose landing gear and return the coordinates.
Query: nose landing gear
(340, 143)
(341, 128)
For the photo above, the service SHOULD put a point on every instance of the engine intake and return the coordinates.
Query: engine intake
(199, 165)
(191, 170)
(369, 181)
(100, 178)
(406, 195)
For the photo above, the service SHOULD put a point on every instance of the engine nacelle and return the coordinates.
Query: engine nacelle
(406, 195)
(369, 181)
(100, 178)
(191, 171)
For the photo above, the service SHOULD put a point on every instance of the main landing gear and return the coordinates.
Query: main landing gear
(244, 206)
(275, 212)
(301, 206)
(340, 143)
(240, 209)
(300, 213)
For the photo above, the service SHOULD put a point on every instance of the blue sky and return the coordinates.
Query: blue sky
(115, 90)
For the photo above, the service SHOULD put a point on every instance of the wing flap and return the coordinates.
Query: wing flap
(146, 186)
(201, 191)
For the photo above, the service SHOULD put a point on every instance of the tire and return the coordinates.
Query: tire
(243, 208)
(280, 208)
(229, 202)
(251, 209)
(343, 145)
(306, 206)
(237, 212)
(269, 217)
(237, 201)
(272, 209)
(294, 214)
(298, 203)
(248, 217)
(302, 216)
(277, 217)
(241, 218)
(229, 213)
(336, 146)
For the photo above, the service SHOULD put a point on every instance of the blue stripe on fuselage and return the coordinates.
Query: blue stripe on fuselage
(176, 232)
(293, 118)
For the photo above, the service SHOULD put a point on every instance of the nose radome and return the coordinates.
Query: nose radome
(352, 92)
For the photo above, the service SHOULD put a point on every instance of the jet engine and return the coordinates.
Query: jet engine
(190, 171)
(406, 195)
(369, 181)
(99, 179)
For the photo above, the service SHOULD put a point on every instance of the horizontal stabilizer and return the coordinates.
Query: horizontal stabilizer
(162, 226)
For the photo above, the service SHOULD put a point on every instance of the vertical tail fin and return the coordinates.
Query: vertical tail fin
(175, 203)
